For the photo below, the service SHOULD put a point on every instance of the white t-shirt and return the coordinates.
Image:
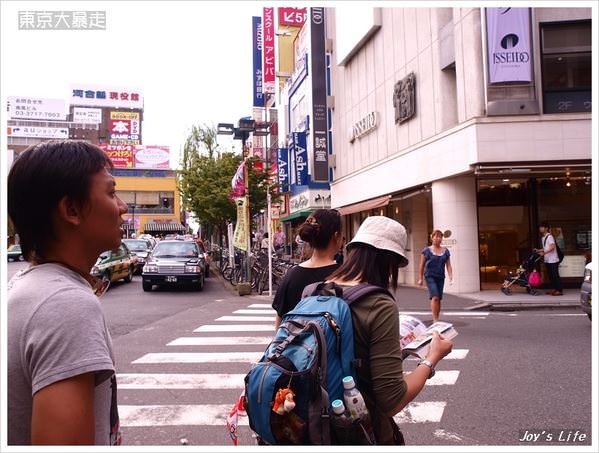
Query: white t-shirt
(549, 257)
(56, 331)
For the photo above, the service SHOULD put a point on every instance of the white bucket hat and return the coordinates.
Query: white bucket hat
(383, 233)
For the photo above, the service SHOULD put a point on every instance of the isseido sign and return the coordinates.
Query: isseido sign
(364, 126)
(508, 42)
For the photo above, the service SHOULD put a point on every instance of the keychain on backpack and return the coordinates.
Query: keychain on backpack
(284, 401)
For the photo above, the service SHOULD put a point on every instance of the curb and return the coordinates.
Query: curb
(520, 306)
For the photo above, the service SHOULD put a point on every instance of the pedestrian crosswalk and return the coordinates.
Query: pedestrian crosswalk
(242, 335)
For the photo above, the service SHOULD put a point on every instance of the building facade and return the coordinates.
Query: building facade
(442, 119)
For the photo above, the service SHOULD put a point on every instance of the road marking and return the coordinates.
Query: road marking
(425, 412)
(260, 306)
(199, 357)
(214, 341)
(446, 313)
(456, 354)
(218, 300)
(236, 328)
(133, 381)
(175, 414)
(215, 414)
(246, 318)
(254, 311)
(446, 435)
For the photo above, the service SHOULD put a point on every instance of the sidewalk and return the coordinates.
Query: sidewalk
(496, 300)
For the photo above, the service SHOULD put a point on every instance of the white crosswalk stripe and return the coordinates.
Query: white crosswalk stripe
(251, 328)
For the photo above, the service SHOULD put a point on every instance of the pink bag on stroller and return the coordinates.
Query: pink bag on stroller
(534, 279)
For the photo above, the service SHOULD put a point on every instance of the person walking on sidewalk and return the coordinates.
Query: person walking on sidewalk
(322, 232)
(374, 257)
(551, 258)
(61, 372)
(433, 261)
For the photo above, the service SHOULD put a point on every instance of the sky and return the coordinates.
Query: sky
(191, 61)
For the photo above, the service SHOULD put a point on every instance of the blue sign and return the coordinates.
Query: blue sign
(257, 58)
(300, 155)
(283, 168)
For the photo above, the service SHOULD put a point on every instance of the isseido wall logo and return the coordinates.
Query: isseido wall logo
(317, 15)
(508, 42)
(364, 126)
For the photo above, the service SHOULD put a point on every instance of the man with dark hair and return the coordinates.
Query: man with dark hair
(551, 258)
(61, 383)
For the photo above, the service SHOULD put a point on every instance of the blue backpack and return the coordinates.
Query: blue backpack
(312, 350)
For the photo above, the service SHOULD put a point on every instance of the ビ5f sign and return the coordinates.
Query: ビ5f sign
(508, 43)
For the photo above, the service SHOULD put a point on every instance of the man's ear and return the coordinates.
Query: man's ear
(68, 211)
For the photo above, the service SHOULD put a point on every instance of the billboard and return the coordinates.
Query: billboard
(508, 42)
(122, 156)
(30, 108)
(268, 49)
(319, 97)
(38, 132)
(152, 157)
(102, 96)
(257, 60)
(87, 115)
(124, 128)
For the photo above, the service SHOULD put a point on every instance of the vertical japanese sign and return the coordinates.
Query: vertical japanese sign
(319, 96)
(257, 58)
(268, 49)
(508, 42)
(300, 156)
(283, 168)
(240, 238)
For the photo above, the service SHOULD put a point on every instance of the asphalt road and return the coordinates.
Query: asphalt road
(512, 374)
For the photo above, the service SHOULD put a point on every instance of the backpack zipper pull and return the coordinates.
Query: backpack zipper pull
(333, 324)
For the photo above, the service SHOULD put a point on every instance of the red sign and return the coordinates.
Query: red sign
(268, 49)
(120, 155)
(293, 17)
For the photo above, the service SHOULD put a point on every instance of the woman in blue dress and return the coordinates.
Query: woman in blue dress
(433, 261)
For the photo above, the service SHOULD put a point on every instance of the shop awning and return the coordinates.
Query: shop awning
(164, 227)
(365, 205)
(296, 215)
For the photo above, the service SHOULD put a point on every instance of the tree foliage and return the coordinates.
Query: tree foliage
(205, 180)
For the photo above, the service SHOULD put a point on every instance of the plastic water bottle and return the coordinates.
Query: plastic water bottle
(354, 401)
(356, 407)
(339, 410)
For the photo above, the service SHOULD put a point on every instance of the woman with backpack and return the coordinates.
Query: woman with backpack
(375, 255)
(322, 232)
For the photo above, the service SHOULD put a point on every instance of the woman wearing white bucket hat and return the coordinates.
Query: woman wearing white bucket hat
(375, 255)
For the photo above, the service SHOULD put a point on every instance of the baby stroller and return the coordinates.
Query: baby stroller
(520, 277)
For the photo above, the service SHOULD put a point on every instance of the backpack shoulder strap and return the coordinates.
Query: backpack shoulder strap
(362, 290)
(322, 289)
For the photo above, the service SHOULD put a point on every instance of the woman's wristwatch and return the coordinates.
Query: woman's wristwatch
(429, 364)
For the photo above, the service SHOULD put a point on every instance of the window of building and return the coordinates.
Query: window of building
(148, 202)
(566, 67)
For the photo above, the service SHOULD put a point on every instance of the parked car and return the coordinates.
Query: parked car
(14, 253)
(176, 263)
(115, 264)
(586, 289)
(141, 249)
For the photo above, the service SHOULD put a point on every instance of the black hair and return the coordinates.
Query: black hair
(545, 224)
(369, 265)
(40, 177)
(265, 235)
(320, 227)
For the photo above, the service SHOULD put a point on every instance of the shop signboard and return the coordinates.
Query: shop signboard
(300, 159)
(283, 169)
(257, 60)
(33, 108)
(319, 133)
(268, 49)
(292, 17)
(240, 237)
(508, 43)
